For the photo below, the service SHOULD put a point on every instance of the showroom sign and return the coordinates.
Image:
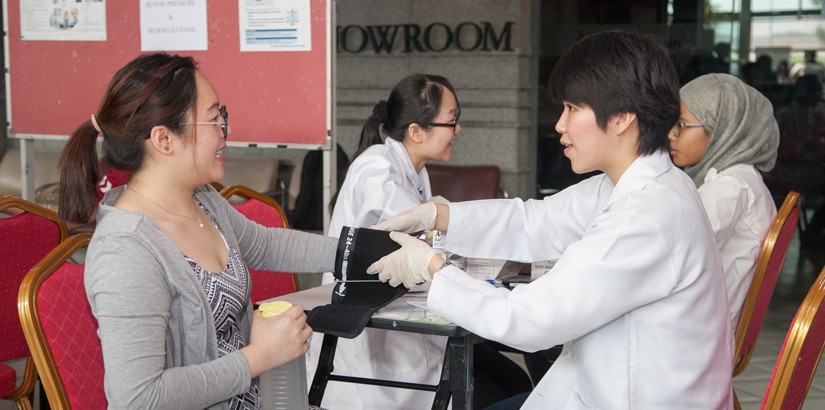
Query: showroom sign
(436, 37)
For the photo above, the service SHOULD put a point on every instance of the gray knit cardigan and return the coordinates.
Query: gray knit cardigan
(155, 325)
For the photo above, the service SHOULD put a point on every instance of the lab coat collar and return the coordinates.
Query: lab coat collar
(639, 174)
(403, 157)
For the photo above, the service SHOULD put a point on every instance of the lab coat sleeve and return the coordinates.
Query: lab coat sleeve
(524, 231)
(725, 200)
(618, 265)
(380, 194)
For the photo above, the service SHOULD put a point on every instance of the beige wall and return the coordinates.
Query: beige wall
(494, 87)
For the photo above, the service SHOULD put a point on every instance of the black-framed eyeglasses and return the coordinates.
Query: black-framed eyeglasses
(452, 124)
(677, 129)
(223, 124)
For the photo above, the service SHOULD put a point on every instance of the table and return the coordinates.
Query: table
(456, 373)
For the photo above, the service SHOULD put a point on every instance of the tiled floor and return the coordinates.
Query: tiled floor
(798, 274)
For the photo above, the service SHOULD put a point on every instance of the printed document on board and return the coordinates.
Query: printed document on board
(66, 20)
(275, 25)
(173, 25)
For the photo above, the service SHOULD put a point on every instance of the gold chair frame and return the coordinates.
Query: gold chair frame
(21, 394)
(743, 354)
(794, 342)
(8, 201)
(33, 329)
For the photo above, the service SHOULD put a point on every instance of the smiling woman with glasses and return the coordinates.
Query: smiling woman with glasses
(418, 123)
(169, 254)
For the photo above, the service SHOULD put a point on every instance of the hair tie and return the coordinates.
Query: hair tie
(381, 112)
(94, 123)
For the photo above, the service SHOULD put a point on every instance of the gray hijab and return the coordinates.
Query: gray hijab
(739, 119)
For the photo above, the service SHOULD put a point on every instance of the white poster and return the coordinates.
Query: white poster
(275, 25)
(63, 20)
(173, 25)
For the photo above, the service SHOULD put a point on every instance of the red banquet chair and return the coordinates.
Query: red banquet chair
(800, 354)
(29, 232)
(61, 330)
(768, 266)
(265, 211)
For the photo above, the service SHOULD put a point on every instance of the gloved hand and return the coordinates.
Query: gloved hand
(420, 218)
(407, 265)
(438, 199)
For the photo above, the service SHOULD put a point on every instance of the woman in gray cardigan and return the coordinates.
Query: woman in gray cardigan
(166, 271)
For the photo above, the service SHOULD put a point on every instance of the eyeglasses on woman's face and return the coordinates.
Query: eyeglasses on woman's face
(224, 125)
(452, 124)
(677, 129)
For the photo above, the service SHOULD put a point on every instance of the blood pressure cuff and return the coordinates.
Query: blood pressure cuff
(357, 295)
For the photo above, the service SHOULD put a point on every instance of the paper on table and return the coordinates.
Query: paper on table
(412, 306)
(487, 269)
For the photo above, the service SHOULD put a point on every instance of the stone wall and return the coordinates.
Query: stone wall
(494, 86)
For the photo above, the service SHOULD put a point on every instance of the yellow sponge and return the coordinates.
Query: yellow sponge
(277, 307)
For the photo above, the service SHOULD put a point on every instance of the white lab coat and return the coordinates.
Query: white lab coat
(380, 183)
(741, 210)
(637, 296)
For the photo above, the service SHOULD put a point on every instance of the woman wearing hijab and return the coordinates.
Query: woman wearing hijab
(726, 134)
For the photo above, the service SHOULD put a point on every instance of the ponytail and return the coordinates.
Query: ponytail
(369, 133)
(79, 174)
(369, 136)
(153, 89)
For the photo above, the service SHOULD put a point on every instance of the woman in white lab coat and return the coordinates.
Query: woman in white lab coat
(420, 121)
(726, 134)
(637, 296)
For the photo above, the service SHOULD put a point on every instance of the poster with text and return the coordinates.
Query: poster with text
(275, 25)
(63, 20)
(173, 25)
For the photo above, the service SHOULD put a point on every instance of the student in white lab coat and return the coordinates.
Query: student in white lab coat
(637, 296)
(387, 176)
(726, 134)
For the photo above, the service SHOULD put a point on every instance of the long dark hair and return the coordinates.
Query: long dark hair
(151, 90)
(414, 100)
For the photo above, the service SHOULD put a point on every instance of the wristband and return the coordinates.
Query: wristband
(444, 265)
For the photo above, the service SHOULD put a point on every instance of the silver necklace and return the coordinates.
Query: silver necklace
(197, 220)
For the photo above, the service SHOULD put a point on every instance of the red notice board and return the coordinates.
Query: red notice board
(274, 98)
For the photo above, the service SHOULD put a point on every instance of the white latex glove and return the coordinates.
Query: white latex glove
(420, 218)
(438, 199)
(407, 265)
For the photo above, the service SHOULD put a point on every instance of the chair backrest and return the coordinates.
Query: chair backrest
(800, 354)
(61, 331)
(769, 265)
(27, 237)
(29, 232)
(464, 182)
(265, 211)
